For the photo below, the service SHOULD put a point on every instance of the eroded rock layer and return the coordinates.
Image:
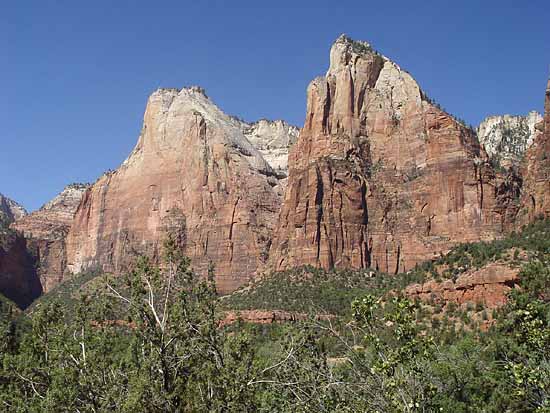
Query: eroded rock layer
(381, 177)
(193, 174)
(489, 286)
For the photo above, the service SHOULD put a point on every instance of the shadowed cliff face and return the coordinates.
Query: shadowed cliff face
(45, 231)
(381, 177)
(19, 280)
(535, 201)
(194, 175)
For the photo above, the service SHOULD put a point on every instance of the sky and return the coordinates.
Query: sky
(75, 75)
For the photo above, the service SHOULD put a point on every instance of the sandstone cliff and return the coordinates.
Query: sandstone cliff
(10, 210)
(535, 200)
(193, 174)
(45, 231)
(506, 138)
(381, 177)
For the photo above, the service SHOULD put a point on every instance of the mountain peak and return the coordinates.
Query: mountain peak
(10, 210)
(346, 51)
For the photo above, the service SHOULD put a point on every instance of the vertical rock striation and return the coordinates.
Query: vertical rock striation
(192, 174)
(535, 200)
(381, 177)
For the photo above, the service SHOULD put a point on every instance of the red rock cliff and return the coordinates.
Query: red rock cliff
(193, 174)
(380, 176)
(535, 201)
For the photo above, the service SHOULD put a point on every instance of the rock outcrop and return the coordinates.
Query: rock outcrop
(506, 138)
(10, 210)
(192, 174)
(381, 177)
(535, 201)
(261, 317)
(46, 230)
(489, 286)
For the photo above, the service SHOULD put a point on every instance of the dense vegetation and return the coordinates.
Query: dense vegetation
(152, 342)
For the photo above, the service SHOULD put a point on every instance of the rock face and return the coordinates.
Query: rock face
(506, 138)
(10, 210)
(489, 286)
(45, 231)
(535, 200)
(18, 278)
(381, 177)
(192, 174)
(273, 140)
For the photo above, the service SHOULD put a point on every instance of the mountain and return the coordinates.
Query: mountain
(10, 210)
(45, 231)
(194, 175)
(380, 176)
(535, 201)
(506, 137)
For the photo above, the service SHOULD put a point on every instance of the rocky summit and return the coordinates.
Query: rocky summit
(378, 177)
(506, 138)
(193, 175)
(381, 177)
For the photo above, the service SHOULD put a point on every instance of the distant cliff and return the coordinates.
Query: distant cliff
(45, 231)
(506, 138)
(10, 210)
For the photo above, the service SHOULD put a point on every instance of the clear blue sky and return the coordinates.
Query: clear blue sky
(75, 75)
